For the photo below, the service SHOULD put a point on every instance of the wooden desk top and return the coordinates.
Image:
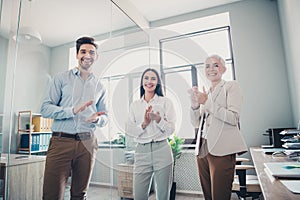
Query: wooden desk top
(20, 159)
(272, 189)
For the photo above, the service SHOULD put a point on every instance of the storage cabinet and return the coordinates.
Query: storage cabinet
(23, 175)
(125, 181)
(34, 132)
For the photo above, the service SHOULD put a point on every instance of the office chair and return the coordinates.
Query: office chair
(245, 185)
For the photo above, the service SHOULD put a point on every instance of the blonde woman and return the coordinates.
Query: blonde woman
(216, 113)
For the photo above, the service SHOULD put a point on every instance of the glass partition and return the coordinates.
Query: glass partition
(37, 42)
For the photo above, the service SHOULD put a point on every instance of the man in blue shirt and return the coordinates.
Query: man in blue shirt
(76, 102)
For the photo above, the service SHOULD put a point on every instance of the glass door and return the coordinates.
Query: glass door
(37, 42)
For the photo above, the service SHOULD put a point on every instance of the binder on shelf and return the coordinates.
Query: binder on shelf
(42, 124)
(38, 123)
(35, 142)
(41, 142)
(24, 141)
(49, 124)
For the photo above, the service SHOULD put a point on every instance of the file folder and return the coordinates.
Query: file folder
(284, 169)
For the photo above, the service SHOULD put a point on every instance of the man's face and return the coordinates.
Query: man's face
(86, 56)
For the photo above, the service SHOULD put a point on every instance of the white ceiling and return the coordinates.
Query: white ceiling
(62, 21)
(160, 9)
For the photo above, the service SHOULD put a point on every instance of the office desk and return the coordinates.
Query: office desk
(25, 176)
(272, 190)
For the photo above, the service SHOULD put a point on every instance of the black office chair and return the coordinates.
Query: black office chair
(245, 185)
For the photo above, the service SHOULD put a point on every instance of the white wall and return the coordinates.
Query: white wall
(3, 62)
(25, 83)
(290, 17)
(259, 62)
(260, 68)
(60, 59)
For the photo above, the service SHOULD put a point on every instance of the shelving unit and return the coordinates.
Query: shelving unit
(33, 140)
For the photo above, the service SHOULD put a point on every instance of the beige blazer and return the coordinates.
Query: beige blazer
(222, 109)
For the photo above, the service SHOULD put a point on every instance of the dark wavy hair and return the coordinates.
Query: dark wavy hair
(85, 40)
(158, 90)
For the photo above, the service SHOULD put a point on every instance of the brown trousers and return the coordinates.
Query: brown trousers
(66, 157)
(216, 175)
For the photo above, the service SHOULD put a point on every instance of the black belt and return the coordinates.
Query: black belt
(153, 141)
(76, 136)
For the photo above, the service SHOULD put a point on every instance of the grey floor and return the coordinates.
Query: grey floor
(107, 193)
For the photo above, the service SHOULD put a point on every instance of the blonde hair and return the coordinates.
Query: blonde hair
(219, 58)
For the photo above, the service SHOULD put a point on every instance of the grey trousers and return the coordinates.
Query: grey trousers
(155, 160)
(67, 156)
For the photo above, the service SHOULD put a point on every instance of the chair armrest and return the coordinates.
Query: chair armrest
(244, 167)
(239, 161)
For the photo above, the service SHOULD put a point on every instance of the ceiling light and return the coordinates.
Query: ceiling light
(28, 35)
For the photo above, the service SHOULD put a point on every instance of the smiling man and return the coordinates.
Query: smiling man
(76, 102)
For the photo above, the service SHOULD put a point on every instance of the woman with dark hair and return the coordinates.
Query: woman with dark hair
(158, 90)
(151, 121)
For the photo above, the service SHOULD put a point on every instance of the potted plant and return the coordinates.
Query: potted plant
(176, 146)
(120, 139)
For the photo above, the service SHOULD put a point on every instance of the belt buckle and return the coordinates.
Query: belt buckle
(77, 137)
(82, 136)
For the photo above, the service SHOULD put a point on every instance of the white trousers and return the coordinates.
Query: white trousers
(155, 160)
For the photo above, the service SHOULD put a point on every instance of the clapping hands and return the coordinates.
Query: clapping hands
(149, 116)
(95, 117)
(155, 116)
(197, 97)
(83, 106)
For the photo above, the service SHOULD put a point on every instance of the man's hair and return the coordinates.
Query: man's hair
(85, 40)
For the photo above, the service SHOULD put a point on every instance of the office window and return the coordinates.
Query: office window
(184, 49)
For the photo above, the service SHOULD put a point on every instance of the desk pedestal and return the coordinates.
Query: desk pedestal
(25, 176)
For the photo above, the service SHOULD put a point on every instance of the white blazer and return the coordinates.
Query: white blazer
(222, 109)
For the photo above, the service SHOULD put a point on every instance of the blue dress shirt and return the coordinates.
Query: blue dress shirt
(68, 90)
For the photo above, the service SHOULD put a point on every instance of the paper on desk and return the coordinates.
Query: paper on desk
(283, 170)
(292, 185)
(291, 151)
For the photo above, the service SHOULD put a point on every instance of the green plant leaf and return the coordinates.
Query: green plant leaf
(175, 144)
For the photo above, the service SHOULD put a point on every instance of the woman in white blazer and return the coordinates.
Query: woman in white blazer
(216, 113)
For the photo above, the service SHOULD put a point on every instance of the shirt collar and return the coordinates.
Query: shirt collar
(220, 84)
(76, 71)
(153, 99)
